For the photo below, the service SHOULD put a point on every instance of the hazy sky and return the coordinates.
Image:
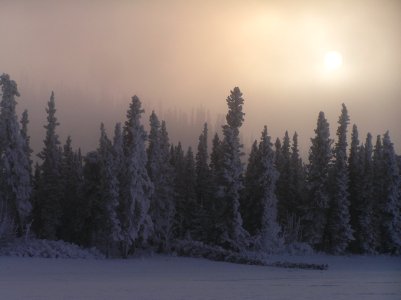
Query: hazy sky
(188, 54)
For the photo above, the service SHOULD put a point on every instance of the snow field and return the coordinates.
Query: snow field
(166, 277)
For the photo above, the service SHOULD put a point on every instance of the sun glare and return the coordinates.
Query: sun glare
(333, 60)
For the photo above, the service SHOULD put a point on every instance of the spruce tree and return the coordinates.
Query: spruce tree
(136, 224)
(390, 216)
(355, 177)
(15, 178)
(316, 206)
(296, 194)
(339, 232)
(251, 209)
(160, 173)
(270, 230)
(88, 212)
(216, 206)
(24, 133)
(203, 186)
(49, 210)
(367, 233)
(72, 182)
(230, 183)
(108, 228)
(187, 208)
(283, 183)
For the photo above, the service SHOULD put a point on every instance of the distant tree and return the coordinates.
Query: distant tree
(160, 173)
(15, 177)
(316, 207)
(136, 223)
(339, 228)
(230, 183)
(49, 210)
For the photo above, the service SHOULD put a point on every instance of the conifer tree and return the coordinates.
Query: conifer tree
(216, 206)
(317, 204)
(251, 209)
(296, 194)
(160, 173)
(230, 183)
(136, 223)
(203, 186)
(107, 225)
(377, 191)
(24, 133)
(72, 183)
(49, 194)
(88, 212)
(270, 230)
(187, 208)
(366, 231)
(390, 221)
(119, 163)
(355, 180)
(283, 182)
(339, 232)
(15, 178)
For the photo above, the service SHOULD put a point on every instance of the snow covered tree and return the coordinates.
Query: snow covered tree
(366, 229)
(15, 178)
(251, 209)
(24, 133)
(355, 177)
(160, 173)
(283, 157)
(136, 223)
(216, 206)
(204, 190)
(316, 206)
(339, 228)
(48, 211)
(230, 181)
(389, 202)
(108, 230)
(270, 239)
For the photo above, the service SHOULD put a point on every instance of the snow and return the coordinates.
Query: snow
(167, 277)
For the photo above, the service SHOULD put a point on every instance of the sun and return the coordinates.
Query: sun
(333, 60)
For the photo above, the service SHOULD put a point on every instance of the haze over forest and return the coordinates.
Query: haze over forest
(183, 57)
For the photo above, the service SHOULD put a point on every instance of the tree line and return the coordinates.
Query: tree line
(137, 190)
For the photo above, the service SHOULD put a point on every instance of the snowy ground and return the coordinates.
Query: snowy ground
(164, 277)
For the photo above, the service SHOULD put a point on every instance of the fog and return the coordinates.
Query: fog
(182, 58)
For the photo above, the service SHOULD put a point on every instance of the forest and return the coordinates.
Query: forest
(137, 190)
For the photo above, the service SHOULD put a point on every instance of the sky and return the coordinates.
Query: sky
(182, 58)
